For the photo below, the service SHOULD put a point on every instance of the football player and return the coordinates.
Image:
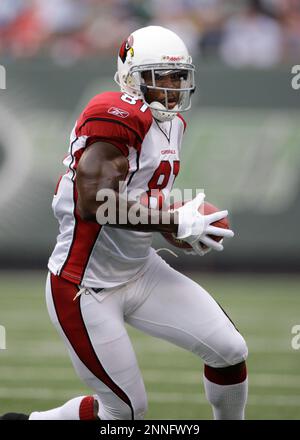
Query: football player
(102, 276)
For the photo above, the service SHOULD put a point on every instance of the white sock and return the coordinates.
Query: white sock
(79, 408)
(228, 401)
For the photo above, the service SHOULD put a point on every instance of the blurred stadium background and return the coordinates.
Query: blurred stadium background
(241, 146)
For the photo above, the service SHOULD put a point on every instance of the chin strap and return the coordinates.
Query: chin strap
(160, 112)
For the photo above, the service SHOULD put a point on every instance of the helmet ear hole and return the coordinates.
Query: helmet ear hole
(143, 88)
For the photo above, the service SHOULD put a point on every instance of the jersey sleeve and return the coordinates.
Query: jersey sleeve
(108, 118)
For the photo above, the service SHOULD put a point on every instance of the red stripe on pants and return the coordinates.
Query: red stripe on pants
(71, 320)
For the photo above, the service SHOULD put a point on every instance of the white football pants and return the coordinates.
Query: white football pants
(161, 302)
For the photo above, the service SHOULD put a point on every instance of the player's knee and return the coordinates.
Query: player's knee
(230, 349)
(226, 349)
(236, 350)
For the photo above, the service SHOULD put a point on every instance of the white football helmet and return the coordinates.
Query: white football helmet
(159, 52)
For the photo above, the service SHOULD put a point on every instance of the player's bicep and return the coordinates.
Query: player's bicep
(101, 166)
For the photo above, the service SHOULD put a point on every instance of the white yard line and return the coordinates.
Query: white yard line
(188, 377)
(200, 399)
(48, 348)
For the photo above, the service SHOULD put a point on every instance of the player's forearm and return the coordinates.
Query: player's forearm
(118, 212)
(138, 217)
(100, 174)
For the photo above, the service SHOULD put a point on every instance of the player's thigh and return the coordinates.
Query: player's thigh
(180, 311)
(99, 347)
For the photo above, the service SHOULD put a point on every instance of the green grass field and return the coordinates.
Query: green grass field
(36, 374)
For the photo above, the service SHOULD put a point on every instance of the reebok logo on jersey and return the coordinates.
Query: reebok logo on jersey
(118, 112)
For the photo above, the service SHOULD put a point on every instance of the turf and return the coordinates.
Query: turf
(36, 374)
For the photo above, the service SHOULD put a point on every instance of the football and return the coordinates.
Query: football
(206, 208)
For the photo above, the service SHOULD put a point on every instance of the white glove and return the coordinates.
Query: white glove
(194, 227)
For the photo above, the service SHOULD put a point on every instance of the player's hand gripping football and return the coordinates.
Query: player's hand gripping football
(196, 228)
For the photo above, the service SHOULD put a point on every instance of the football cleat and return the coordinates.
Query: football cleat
(88, 409)
(14, 416)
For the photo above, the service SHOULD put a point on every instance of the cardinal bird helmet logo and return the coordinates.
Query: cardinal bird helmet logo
(125, 48)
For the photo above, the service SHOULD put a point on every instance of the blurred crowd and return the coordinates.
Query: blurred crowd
(258, 33)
